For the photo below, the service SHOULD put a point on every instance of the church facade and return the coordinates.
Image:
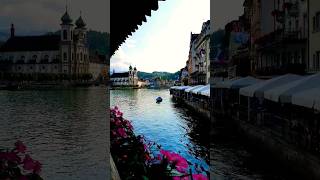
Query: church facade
(66, 53)
(125, 79)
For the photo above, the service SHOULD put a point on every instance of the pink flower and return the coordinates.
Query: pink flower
(28, 163)
(20, 147)
(199, 177)
(194, 177)
(118, 114)
(122, 132)
(180, 178)
(23, 178)
(37, 167)
(10, 156)
(118, 122)
(180, 163)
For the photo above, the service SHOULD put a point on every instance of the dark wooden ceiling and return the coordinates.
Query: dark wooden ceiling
(126, 17)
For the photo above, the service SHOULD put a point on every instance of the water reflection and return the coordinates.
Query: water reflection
(65, 130)
(173, 127)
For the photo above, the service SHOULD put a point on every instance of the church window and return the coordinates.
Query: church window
(65, 34)
(80, 56)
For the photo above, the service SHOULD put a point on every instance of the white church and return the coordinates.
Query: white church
(66, 53)
(125, 79)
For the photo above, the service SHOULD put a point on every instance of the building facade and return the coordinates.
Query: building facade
(199, 58)
(314, 36)
(125, 79)
(66, 53)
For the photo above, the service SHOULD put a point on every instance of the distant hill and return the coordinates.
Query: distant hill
(163, 75)
(3, 36)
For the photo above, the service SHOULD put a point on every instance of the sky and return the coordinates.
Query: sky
(41, 16)
(162, 43)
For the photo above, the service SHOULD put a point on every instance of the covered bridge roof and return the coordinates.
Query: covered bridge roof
(126, 16)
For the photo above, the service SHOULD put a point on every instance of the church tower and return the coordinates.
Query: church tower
(81, 49)
(66, 43)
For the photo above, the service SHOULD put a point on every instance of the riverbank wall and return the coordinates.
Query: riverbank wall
(198, 104)
(34, 85)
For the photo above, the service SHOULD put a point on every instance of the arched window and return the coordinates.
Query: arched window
(46, 57)
(34, 57)
(65, 34)
(81, 56)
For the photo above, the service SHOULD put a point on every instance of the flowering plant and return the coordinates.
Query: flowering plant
(16, 164)
(137, 158)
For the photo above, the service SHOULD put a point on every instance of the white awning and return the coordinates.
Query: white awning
(182, 87)
(202, 89)
(205, 92)
(174, 87)
(284, 92)
(242, 82)
(191, 88)
(258, 89)
(309, 98)
(196, 90)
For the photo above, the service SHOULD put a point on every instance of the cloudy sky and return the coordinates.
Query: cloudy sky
(38, 16)
(162, 43)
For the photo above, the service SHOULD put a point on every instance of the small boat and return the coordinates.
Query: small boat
(159, 99)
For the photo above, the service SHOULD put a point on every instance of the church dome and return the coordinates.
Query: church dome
(80, 23)
(66, 18)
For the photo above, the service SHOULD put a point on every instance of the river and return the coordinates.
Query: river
(64, 129)
(173, 127)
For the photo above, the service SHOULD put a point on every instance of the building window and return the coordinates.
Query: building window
(316, 22)
(65, 34)
(30, 67)
(23, 58)
(43, 67)
(55, 67)
(65, 56)
(71, 35)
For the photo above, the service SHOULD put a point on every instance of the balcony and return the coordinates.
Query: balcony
(296, 68)
(279, 38)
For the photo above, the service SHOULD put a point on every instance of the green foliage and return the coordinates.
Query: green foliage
(162, 75)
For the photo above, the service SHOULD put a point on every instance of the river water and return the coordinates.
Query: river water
(64, 129)
(167, 124)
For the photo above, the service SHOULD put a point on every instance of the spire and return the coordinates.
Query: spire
(12, 30)
(80, 23)
(66, 18)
